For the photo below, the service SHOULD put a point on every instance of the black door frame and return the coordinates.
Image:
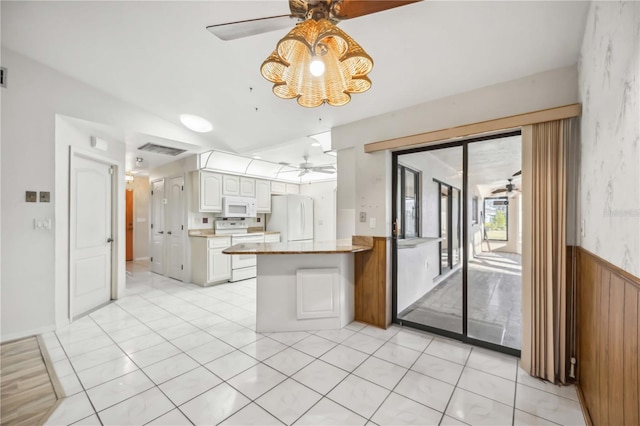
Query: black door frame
(465, 238)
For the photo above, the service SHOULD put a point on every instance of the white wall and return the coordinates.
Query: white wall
(324, 208)
(372, 191)
(346, 194)
(610, 130)
(29, 106)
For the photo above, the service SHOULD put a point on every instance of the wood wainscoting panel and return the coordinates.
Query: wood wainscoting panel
(608, 341)
(370, 272)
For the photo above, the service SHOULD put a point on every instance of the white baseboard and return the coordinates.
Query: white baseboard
(141, 258)
(26, 333)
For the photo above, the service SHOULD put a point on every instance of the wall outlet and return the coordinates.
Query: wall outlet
(31, 197)
(372, 222)
(205, 220)
(363, 217)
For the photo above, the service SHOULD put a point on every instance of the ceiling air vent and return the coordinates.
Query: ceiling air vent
(160, 149)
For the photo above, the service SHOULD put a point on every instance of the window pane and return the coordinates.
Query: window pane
(496, 218)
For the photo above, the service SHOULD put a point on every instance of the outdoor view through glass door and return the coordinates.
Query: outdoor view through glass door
(457, 269)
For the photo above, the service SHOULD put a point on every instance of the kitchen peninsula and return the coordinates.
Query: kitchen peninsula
(303, 285)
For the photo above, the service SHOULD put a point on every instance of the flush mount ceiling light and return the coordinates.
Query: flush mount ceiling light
(316, 62)
(196, 123)
(128, 177)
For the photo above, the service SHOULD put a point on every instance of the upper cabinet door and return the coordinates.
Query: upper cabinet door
(230, 185)
(247, 187)
(263, 196)
(278, 187)
(210, 192)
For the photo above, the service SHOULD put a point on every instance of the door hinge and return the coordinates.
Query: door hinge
(181, 267)
(3, 77)
(151, 192)
(111, 170)
(183, 187)
(152, 258)
(182, 227)
(152, 226)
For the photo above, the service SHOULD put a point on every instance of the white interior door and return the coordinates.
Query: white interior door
(175, 227)
(307, 217)
(90, 234)
(157, 227)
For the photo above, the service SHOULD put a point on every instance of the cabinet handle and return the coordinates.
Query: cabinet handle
(160, 232)
(109, 240)
(169, 232)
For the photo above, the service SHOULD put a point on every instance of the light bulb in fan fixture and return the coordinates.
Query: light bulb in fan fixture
(316, 67)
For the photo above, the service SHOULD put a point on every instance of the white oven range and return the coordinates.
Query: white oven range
(242, 266)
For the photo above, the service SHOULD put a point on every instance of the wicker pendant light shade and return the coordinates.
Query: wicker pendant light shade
(346, 65)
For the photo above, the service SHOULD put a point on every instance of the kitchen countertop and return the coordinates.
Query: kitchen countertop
(414, 242)
(314, 247)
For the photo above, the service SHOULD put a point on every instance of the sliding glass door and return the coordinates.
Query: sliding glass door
(456, 240)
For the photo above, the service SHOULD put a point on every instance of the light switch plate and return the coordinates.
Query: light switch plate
(31, 197)
(363, 216)
(372, 222)
(45, 196)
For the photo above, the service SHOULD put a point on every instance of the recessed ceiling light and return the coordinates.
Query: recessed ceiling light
(257, 157)
(196, 123)
(316, 144)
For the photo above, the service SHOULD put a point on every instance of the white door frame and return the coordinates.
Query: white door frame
(117, 230)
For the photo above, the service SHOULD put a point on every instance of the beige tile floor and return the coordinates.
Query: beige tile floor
(178, 354)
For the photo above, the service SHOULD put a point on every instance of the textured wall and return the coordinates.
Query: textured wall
(609, 78)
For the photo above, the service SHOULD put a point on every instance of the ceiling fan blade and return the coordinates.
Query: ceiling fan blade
(250, 27)
(327, 171)
(353, 8)
(518, 173)
(497, 191)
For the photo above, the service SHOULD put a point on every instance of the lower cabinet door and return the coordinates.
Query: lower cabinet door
(218, 266)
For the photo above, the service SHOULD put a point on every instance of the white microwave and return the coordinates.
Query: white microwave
(238, 207)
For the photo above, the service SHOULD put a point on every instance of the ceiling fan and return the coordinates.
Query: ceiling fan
(509, 188)
(306, 168)
(334, 10)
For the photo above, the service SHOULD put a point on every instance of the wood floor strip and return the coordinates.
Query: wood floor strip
(27, 383)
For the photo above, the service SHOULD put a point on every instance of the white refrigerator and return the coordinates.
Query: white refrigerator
(292, 216)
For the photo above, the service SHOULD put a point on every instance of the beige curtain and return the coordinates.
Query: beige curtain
(547, 302)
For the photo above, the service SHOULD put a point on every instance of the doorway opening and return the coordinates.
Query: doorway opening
(459, 274)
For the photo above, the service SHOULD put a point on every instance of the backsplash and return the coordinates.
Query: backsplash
(196, 220)
(610, 152)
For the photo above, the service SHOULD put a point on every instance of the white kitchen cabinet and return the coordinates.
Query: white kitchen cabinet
(263, 196)
(272, 237)
(208, 264)
(247, 187)
(230, 185)
(293, 188)
(207, 191)
(278, 187)
(218, 265)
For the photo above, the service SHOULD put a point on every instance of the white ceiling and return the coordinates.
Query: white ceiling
(159, 56)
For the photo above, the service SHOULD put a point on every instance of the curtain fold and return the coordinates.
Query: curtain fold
(548, 317)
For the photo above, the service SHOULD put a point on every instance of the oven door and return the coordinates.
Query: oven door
(245, 260)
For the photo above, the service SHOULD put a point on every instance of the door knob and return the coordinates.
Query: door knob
(109, 240)
(160, 232)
